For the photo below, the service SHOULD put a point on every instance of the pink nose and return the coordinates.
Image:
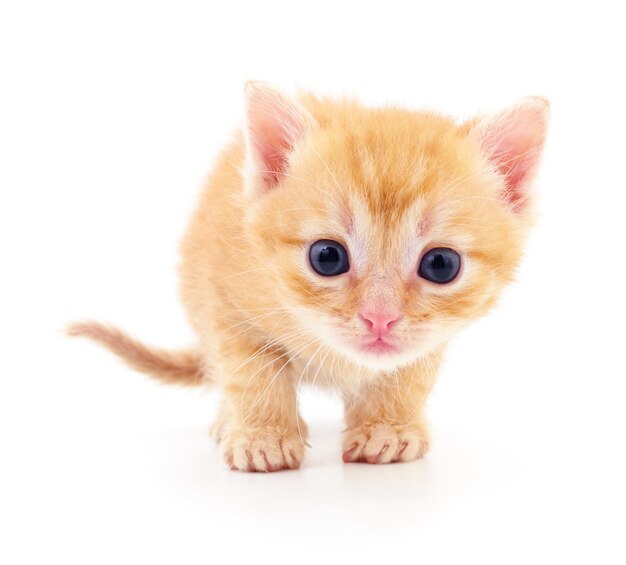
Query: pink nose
(379, 323)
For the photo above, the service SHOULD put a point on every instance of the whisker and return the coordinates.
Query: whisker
(273, 379)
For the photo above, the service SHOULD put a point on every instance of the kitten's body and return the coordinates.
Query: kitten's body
(389, 184)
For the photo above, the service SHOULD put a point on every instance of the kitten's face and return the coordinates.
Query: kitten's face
(387, 232)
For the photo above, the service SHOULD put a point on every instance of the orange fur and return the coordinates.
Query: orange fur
(170, 367)
(388, 184)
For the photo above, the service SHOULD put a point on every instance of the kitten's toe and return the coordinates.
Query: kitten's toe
(412, 446)
(353, 447)
(384, 443)
(264, 450)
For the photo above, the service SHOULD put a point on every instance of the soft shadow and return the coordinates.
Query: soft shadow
(188, 464)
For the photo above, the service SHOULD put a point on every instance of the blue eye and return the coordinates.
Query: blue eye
(328, 258)
(440, 265)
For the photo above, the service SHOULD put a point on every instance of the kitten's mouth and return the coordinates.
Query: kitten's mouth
(379, 347)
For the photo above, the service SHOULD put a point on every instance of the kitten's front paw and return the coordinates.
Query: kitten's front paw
(384, 443)
(262, 449)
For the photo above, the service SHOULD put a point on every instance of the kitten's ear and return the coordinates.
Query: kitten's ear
(275, 124)
(513, 140)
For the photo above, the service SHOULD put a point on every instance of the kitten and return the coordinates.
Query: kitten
(343, 245)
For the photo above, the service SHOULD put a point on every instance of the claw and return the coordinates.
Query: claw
(250, 460)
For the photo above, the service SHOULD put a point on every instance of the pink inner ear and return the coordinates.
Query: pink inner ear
(271, 146)
(513, 141)
(275, 125)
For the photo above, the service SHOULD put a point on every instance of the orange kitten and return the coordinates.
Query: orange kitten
(343, 245)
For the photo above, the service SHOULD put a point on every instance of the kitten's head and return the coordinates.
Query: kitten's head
(387, 230)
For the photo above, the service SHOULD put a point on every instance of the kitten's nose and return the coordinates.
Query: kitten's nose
(379, 323)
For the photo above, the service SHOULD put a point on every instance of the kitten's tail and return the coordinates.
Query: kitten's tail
(172, 367)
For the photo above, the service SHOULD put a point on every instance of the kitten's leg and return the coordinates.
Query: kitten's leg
(385, 420)
(258, 427)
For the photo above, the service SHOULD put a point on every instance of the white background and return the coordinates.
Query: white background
(111, 114)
